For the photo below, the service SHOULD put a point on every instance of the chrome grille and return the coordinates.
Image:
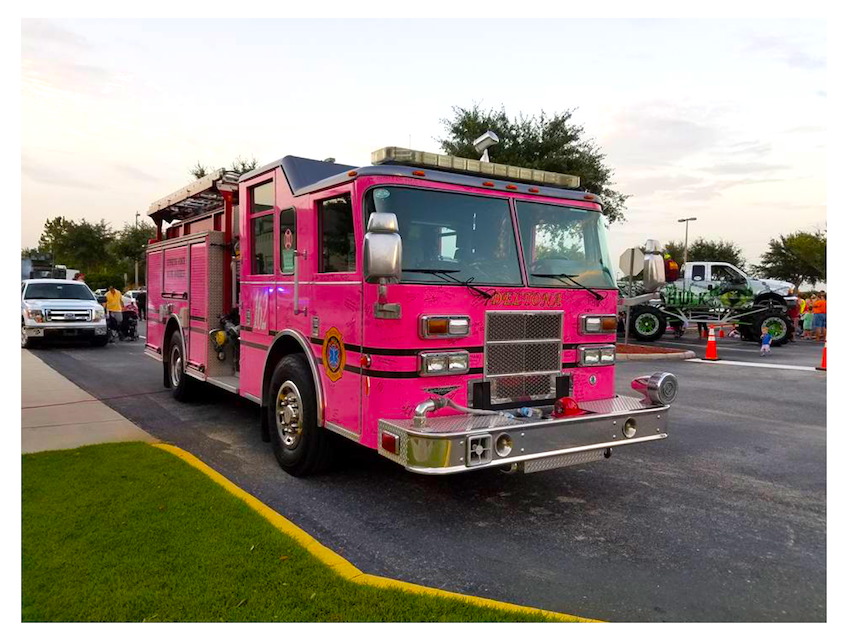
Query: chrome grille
(522, 354)
(59, 315)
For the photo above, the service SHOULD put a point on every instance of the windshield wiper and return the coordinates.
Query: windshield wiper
(446, 274)
(562, 276)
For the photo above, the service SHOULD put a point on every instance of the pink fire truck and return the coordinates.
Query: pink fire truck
(452, 314)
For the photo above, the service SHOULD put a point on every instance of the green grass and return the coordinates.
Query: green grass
(128, 532)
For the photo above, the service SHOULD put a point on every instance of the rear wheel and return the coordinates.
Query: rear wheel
(647, 323)
(300, 445)
(180, 383)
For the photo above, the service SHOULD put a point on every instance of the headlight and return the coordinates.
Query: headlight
(443, 326)
(438, 364)
(598, 324)
(595, 356)
(97, 314)
(35, 315)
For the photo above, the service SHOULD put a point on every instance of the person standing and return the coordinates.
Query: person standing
(114, 306)
(819, 322)
(671, 268)
(808, 318)
(765, 341)
(142, 299)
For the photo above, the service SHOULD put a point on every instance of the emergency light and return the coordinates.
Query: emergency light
(420, 159)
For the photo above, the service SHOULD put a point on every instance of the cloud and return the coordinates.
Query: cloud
(743, 168)
(786, 51)
(52, 174)
(134, 173)
(53, 60)
(658, 135)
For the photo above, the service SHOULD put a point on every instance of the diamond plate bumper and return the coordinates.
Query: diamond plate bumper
(464, 442)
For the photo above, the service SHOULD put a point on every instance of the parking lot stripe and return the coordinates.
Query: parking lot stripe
(337, 563)
(753, 364)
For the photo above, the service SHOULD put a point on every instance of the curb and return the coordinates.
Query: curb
(680, 355)
(342, 566)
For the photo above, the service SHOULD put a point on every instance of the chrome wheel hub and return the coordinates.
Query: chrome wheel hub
(176, 366)
(288, 415)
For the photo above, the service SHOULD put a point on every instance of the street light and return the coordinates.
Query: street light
(137, 259)
(685, 259)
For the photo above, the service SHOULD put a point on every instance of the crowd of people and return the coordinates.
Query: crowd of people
(809, 317)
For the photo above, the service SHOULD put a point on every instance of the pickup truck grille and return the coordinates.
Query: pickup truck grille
(60, 315)
(522, 354)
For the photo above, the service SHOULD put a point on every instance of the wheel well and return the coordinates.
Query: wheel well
(769, 296)
(283, 346)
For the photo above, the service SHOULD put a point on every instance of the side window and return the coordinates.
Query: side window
(261, 197)
(337, 251)
(698, 273)
(262, 253)
(288, 241)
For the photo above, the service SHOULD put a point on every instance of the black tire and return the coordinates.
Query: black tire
(775, 321)
(181, 384)
(646, 323)
(100, 341)
(301, 447)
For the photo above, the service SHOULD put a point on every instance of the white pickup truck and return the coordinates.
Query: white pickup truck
(705, 277)
(60, 308)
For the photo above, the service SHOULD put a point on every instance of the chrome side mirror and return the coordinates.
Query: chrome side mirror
(382, 249)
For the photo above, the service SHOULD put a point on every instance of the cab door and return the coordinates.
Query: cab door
(335, 308)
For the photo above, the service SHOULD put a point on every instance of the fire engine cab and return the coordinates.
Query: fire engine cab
(451, 314)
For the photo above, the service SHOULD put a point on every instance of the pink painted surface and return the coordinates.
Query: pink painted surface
(154, 286)
(175, 270)
(198, 339)
(389, 387)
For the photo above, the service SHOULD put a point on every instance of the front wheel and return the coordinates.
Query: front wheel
(180, 383)
(647, 323)
(26, 341)
(778, 324)
(301, 447)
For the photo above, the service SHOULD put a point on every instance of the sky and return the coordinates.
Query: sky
(723, 120)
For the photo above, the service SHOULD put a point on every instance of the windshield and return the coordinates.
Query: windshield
(468, 237)
(48, 291)
(564, 241)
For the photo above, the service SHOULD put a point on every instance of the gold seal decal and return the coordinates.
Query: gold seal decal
(333, 354)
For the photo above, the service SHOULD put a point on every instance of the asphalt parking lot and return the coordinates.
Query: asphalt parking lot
(723, 521)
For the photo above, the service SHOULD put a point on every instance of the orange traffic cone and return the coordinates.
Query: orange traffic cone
(711, 347)
(822, 366)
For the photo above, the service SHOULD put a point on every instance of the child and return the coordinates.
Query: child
(765, 341)
(808, 319)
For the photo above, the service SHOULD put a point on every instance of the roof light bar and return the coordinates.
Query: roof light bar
(446, 162)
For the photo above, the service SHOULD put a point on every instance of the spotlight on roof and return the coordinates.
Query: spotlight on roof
(483, 142)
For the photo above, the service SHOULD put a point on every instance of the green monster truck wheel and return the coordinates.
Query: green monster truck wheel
(647, 323)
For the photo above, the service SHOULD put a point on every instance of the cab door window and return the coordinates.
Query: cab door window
(288, 241)
(337, 253)
(261, 203)
(698, 273)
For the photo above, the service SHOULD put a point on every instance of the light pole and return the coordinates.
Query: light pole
(685, 259)
(137, 258)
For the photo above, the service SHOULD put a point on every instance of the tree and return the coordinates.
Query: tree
(797, 258)
(703, 250)
(239, 166)
(53, 239)
(540, 142)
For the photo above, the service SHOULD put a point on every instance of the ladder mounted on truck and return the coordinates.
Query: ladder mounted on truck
(199, 197)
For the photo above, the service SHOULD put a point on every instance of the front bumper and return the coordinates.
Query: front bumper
(461, 443)
(65, 330)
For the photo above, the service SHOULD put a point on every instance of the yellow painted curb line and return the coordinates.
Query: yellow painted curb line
(341, 566)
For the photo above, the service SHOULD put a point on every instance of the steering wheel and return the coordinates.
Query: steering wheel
(485, 270)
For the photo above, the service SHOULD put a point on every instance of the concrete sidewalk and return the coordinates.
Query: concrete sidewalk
(56, 414)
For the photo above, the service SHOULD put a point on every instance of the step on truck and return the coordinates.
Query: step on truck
(451, 314)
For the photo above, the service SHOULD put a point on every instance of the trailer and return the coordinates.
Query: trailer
(488, 342)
